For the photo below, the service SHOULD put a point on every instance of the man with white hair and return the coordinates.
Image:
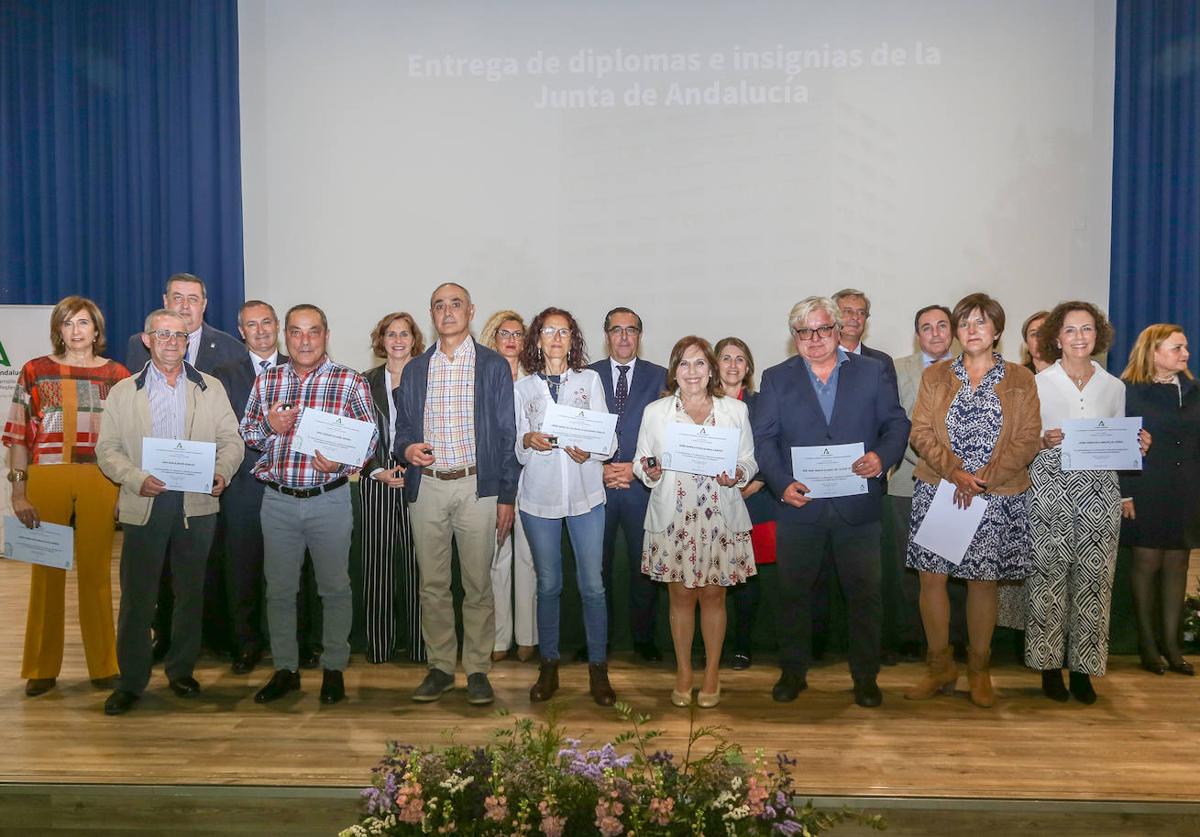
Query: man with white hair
(826, 396)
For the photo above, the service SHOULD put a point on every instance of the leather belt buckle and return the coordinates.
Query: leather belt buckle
(308, 493)
(452, 474)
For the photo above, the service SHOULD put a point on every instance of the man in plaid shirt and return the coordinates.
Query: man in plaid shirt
(307, 504)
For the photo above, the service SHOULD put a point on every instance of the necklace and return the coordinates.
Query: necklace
(1080, 380)
(1165, 379)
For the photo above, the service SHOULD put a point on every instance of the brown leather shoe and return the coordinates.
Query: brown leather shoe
(547, 682)
(602, 691)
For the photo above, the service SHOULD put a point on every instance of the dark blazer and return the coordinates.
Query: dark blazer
(647, 385)
(381, 398)
(787, 414)
(495, 423)
(216, 349)
(889, 365)
(762, 504)
(238, 378)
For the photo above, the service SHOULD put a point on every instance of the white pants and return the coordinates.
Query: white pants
(514, 580)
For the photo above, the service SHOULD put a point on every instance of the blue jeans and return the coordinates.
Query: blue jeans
(587, 541)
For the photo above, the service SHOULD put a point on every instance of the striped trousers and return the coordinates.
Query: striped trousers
(1074, 524)
(389, 572)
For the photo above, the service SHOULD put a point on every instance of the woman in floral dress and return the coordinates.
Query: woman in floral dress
(697, 528)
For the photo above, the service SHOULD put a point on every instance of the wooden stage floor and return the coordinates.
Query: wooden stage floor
(1138, 743)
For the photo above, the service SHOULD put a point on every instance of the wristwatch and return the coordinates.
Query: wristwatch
(17, 475)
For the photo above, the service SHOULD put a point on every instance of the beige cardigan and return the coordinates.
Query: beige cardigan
(126, 421)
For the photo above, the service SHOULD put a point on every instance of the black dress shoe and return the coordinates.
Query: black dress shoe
(159, 649)
(741, 661)
(119, 702)
(1052, 685)
(1157, 666)
(648, 651)
(185, 687)
(866, 692)
(281, 682)
(789, 685)
(1182, 667)
(245, 662)
(333, 689)
(1081, 688)
(309, 658)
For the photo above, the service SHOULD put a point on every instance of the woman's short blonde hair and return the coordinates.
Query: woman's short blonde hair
(488, 334)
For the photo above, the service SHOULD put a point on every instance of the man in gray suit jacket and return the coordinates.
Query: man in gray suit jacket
(902, 630)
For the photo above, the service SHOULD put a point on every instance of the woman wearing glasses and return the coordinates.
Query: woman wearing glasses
(51, 437)
(562, 484)
(976, 423)
(514, 582)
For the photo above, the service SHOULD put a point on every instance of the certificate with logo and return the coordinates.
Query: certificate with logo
(576, 427)
(700, 449)
(826, 470)
(338, 438)
(50, 544)
(1106, 444)
(181, 464)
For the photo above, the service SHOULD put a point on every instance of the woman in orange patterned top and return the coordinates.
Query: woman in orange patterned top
(51, 436)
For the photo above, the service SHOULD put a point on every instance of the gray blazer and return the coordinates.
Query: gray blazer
(908, 381)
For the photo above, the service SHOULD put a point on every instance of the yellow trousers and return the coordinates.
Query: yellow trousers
(57, 492)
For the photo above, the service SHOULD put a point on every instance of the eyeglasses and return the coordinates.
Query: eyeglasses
(820, 332)
(624, 331)
(164, 335)
(505, 334)
(550, 331)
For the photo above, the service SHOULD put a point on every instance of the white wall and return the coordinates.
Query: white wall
(367, 181)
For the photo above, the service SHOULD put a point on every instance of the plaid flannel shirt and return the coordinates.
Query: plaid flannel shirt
(330, 387)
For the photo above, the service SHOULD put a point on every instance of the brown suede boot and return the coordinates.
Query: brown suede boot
(547, 682)
(602, 691)
(979, 678)
(941, 673)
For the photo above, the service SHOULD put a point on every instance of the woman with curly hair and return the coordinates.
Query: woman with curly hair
(385, 521)
(562, 485)
(1074, 516)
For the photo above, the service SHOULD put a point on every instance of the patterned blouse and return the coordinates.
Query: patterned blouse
(56, 409)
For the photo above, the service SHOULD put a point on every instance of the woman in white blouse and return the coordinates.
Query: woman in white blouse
(562, 485)
(697, 528)
(1074, 516)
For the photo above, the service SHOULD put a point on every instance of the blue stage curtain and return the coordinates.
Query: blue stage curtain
(120, 135)
(1155, 267)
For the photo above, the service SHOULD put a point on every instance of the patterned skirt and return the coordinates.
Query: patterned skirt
(999, 551)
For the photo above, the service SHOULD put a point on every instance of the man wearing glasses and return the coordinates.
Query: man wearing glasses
(456, 429)
(630, 383)
(822, 397)
(169, 399)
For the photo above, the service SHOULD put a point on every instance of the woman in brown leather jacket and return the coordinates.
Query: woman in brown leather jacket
(976, 424)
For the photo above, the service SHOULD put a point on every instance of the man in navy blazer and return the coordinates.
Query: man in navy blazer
(456, 428)
(629, 385)
(239, 547)
(826, 396)
(207, 348)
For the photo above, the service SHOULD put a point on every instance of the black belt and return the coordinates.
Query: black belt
(453, 474)
(306, 493)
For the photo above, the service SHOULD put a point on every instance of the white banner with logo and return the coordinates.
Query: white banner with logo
(24, 335)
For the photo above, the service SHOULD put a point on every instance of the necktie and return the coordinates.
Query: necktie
(262, 366)
(622, 393)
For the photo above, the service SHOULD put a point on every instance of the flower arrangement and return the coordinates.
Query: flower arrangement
(1191, 619)
(532, 779)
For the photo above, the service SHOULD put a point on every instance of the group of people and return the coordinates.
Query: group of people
(461, 467)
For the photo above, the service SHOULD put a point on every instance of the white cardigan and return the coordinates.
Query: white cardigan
(553, 484)
(729, 412)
